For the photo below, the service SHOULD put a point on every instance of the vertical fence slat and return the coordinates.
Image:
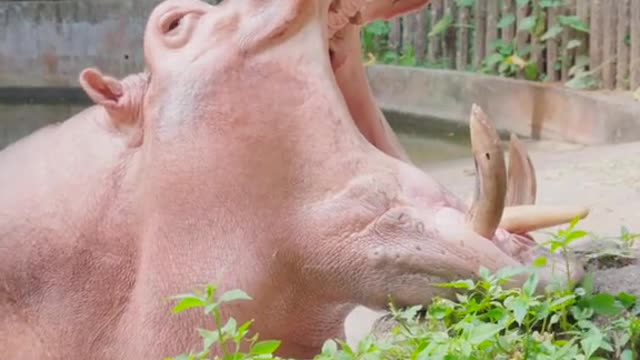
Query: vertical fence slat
(622, 71)
(610, 13)
(582, 10)
(434, 41)
(409, 31)
(595, 38)
(421, 36)
(462, 55)
(449, 36)
(522, 37)
(568, 55)
(634, 63)
(552, 46)
(492, 24)
(508, 9)
(536, 46)
(395, 35)
(480, 28)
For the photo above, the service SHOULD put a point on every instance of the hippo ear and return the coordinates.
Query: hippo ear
(117, 99)
(103, 90)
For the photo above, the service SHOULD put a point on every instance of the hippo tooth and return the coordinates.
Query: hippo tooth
(488, 203)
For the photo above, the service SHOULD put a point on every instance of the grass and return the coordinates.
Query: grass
(485, 321)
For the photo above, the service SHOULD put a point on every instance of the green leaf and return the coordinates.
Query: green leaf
(530, 285)
(587, 284)
(506, 20)
(582, 82)
(626, 355)
(265, 347)
(627, 300)
(493, 59)
(520, 308)
(605, 304)
(531, 73)
(234, 295)
(521, 3)
(230, 327)
(485, 274)
(243, 329)
(527, 23)
(540, 261)
(209, 337)
(187, 301)
(575, 235)
(508, 272)
(442, 25)
(592, 342)
(462, 284)
(561, 302)
(552, 32)
(329, 348)
(484, 331)
(572, 44)
(573, 22)
(211, 308)
(378, 28)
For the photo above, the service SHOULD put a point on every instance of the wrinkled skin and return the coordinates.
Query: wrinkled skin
(245, 156)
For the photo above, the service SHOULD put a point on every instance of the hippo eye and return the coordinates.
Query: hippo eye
(174, 24)
(171, 22)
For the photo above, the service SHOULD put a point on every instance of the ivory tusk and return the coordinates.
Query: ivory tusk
(521, 176)
(488, 202)
(526, 218)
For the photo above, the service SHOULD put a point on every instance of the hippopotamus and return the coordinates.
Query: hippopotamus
(249, 154)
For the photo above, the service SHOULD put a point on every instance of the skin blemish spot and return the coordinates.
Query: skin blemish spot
(488, 156)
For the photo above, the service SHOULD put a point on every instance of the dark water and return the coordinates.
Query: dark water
(426, 140)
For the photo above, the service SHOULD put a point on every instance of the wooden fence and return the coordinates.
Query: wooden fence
(588, 43)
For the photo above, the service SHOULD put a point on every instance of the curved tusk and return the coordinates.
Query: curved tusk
(488, 203)
(521, 177)
(526, 218)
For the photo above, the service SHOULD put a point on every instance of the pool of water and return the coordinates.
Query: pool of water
(426, 144)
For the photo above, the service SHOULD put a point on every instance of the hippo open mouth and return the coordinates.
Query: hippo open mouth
(503, 207)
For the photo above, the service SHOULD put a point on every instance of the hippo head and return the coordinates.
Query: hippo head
(263, 154)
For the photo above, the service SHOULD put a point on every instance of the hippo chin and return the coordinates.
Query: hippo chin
(249, 154)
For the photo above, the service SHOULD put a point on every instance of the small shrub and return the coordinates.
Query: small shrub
(485, 321)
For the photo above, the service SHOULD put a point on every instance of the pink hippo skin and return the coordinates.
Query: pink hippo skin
(249, 157)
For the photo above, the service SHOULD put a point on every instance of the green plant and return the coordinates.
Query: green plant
(375, 46)
(503, 58)
(513, 61)
(486, 321)
(228, 338)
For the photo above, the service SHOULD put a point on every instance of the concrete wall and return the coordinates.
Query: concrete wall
(529, 109)
(48, 43)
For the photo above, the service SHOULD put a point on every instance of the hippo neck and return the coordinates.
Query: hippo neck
(228, 209)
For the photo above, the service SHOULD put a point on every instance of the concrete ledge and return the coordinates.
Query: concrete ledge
(529, 109)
